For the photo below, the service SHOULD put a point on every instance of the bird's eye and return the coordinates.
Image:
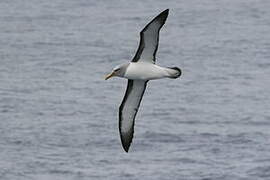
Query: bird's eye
(117, 69)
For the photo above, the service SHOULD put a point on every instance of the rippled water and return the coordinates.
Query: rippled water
(58, 117)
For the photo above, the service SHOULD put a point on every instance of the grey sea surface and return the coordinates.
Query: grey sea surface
(59, 118)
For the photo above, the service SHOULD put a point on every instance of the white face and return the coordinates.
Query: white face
(117, 70)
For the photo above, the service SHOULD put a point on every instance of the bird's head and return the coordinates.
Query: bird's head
(117, 71)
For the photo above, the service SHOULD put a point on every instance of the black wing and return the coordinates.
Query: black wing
(149, 38)
(128, 110)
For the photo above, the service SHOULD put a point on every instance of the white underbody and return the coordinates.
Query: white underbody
(142, 70)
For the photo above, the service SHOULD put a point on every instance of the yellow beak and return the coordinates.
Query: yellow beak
(109, 75)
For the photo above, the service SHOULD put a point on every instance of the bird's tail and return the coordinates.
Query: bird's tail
(174, 72)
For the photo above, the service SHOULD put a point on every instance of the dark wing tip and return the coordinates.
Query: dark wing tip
(166, 11)
(126, 147)
(161, 18)
(126, 139)
(164, 14)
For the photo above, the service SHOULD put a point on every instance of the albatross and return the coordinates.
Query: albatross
(139, 71)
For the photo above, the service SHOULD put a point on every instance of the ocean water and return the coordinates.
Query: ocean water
(59, 118)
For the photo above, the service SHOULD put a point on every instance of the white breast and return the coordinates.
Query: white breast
(145, 71)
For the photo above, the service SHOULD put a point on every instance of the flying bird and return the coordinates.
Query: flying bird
(139, 71)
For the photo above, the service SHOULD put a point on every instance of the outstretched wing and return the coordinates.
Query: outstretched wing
(149, 37)
(128, 110)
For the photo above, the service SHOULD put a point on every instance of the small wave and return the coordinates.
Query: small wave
(263, 172)
(163, 137)
(209, 134)
(57, 171)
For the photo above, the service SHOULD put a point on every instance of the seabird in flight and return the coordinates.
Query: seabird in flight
(139, 71)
